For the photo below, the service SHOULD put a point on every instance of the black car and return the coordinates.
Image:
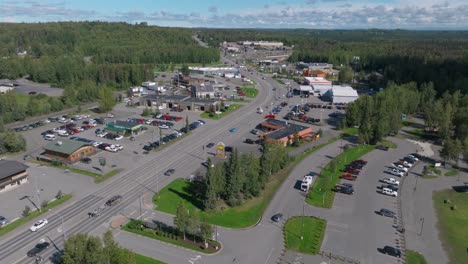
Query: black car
(388, 250)
(147, 147)
(228, 149)
(382, 148)
(114, 200)
(210, 145)
(86, 160)
(387, 213)
(38, 249)
(277, 217)
(249, 141)
(169, 172)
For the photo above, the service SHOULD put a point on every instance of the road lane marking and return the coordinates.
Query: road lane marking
(269, 255)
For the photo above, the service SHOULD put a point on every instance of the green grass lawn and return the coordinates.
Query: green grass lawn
(451, 173)
(321, 194)
(250, 92)
(351, 131)
(34, 214)
(231, 109)
(107, 175)
(140, 259)
(241, 216)
(413, 257)
(314, 230)
(452, 223)
(388, 144)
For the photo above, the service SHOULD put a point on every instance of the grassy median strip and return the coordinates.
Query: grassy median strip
(231, 108)
(32, 215)
(141, 259)
(171, 238)
(250, 92)
(107, 175)
(451, 173)
(321, 194)
(452, 214)
(312, 230)
(242, 216)
(413, 257)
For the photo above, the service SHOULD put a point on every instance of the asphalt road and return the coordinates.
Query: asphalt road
(184, 156)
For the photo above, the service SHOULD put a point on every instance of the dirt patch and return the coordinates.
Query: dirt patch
(118, 221)
(424, 148)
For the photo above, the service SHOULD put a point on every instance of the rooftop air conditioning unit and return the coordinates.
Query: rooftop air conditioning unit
(59, 143)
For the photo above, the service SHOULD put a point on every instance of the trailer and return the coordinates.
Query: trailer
(307, 183)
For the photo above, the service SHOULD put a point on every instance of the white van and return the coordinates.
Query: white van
(49, 137)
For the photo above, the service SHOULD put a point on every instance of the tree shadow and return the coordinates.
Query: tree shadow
(188, 198)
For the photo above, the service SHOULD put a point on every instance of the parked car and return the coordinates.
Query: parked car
(249, 141)
(413, 157)
(277, 217)
(388, 250)
(348, 176)
(86, 160)
(400, 167)
(388, 186)
(234, 129)
(387, 213)
(360, 161)
(351, 170)
(341, 188)
(114, 200)
(391, 181)
(169, 172)
(38, 225)
(270, 116)
(382, 148)
(3, 221)
(389, 192)
(395, 172)
(118, 137)
(38, 249)
(255, 131)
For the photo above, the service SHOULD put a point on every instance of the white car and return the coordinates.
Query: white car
(400, 167)
(118, 147)
(163, 126)
(389, 192)
(391, 181)
(412, 157)
(112, 148)
(119, 137)
(149, 121)
(102, 134)
(396, 172)
(96, 143)
(38, 225)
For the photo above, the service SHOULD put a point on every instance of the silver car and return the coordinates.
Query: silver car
(3, 220)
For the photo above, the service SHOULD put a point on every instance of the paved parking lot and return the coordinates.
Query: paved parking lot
(357, 231)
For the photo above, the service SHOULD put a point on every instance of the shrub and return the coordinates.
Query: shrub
(44, 203)
(26, 211)
(59, 194)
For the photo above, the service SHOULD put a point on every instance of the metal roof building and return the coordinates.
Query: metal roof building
(342, 94)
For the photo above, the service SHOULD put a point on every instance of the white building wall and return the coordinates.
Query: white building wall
(344, 99)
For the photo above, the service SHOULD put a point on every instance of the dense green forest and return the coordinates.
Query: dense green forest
(85, 58)
(118, 54)
(402, 56)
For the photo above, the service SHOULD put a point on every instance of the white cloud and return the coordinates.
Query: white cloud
(327, 14)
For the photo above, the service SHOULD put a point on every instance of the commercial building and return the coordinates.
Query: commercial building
(283, 132)
(123, 128)
(261, 43)
(137, 91)
(203, 91)
(67, 150)
(178, 101)
(12, 174)
(186, 81)
(212, 70)
(316, 80)
(341, 94)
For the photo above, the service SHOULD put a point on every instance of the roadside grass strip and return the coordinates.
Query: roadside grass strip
(413, 257)
(451, 173)
(350, 131)
(13, 225)
(310, 228)
(250, 92)
(141, 259)
(388, 144)
(231, 108)
(452, 214)
(171, 237)
(321, 194)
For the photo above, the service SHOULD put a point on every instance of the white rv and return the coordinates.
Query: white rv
(307, 183)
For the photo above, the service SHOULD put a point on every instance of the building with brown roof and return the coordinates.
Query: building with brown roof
(12, 174)
(68, 150)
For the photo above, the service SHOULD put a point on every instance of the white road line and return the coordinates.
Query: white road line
(269, 256)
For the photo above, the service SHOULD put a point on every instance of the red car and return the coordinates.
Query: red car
(76, 130)
(270, 116)
(141, 121)
(303, 117)
(348, 176)
(178, 118)
(363, 162)
(351, 170)
(166, 117)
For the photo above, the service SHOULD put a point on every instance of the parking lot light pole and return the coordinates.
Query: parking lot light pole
(422, 224)
(38, 194)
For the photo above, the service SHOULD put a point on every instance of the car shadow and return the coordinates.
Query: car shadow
(297, 185)
(381, 250)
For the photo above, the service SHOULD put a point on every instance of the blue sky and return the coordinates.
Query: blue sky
(329, 14)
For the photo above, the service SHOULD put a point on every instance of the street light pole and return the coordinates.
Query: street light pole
(63, 230)
(302, 230)
(37, 194)
(422, 224)
(140, 205)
